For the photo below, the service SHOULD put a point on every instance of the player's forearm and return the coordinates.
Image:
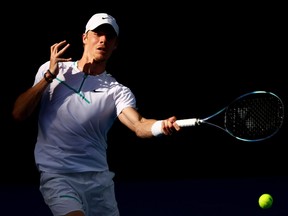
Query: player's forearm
(27, 102)
(143, 129)
(148, 128)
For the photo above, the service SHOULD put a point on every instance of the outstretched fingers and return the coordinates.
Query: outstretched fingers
(56, 51)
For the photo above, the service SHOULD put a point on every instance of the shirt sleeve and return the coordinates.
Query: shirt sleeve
(41, 71)
(124, 97)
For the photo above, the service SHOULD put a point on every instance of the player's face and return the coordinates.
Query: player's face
(100, 43)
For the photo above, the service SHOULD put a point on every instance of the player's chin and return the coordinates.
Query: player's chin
(100, 58)
(105, 54)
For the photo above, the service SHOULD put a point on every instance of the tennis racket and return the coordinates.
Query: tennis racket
(252, 117)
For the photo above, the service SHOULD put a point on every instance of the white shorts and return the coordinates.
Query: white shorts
(90, 192)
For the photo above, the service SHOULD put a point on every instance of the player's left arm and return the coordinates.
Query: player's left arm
(146, 128)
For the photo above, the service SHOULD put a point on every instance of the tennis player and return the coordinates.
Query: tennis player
(79, 101)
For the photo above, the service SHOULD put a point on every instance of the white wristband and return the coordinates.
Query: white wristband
(156, 128)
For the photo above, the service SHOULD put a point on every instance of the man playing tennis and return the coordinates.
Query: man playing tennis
(79, 101)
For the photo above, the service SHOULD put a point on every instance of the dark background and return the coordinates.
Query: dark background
(187, 60)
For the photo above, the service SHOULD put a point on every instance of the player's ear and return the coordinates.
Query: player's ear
(84, 37)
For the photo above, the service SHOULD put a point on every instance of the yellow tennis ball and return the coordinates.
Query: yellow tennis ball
(265, 201)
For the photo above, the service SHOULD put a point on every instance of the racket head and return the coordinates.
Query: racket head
(254, 116)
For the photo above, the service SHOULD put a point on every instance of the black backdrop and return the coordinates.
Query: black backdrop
(179, 59)
(182, 59)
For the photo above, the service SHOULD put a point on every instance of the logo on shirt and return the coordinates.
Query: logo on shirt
(97, 91)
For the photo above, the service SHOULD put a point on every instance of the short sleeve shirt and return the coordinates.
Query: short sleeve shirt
(76, 112)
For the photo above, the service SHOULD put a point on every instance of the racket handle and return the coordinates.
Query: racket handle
(188, 122)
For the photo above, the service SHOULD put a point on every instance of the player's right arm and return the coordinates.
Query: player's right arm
(27, 102)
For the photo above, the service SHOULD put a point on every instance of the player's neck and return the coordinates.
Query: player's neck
(91, 68)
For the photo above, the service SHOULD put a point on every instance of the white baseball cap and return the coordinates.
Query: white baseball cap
(100, 19)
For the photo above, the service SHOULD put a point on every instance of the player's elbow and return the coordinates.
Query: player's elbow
(18, 116)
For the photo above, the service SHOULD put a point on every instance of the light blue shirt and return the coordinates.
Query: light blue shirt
(76, 113)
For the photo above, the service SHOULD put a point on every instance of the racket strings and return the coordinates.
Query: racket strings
(254, 117)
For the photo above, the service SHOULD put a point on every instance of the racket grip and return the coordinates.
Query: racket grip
(188, 122)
